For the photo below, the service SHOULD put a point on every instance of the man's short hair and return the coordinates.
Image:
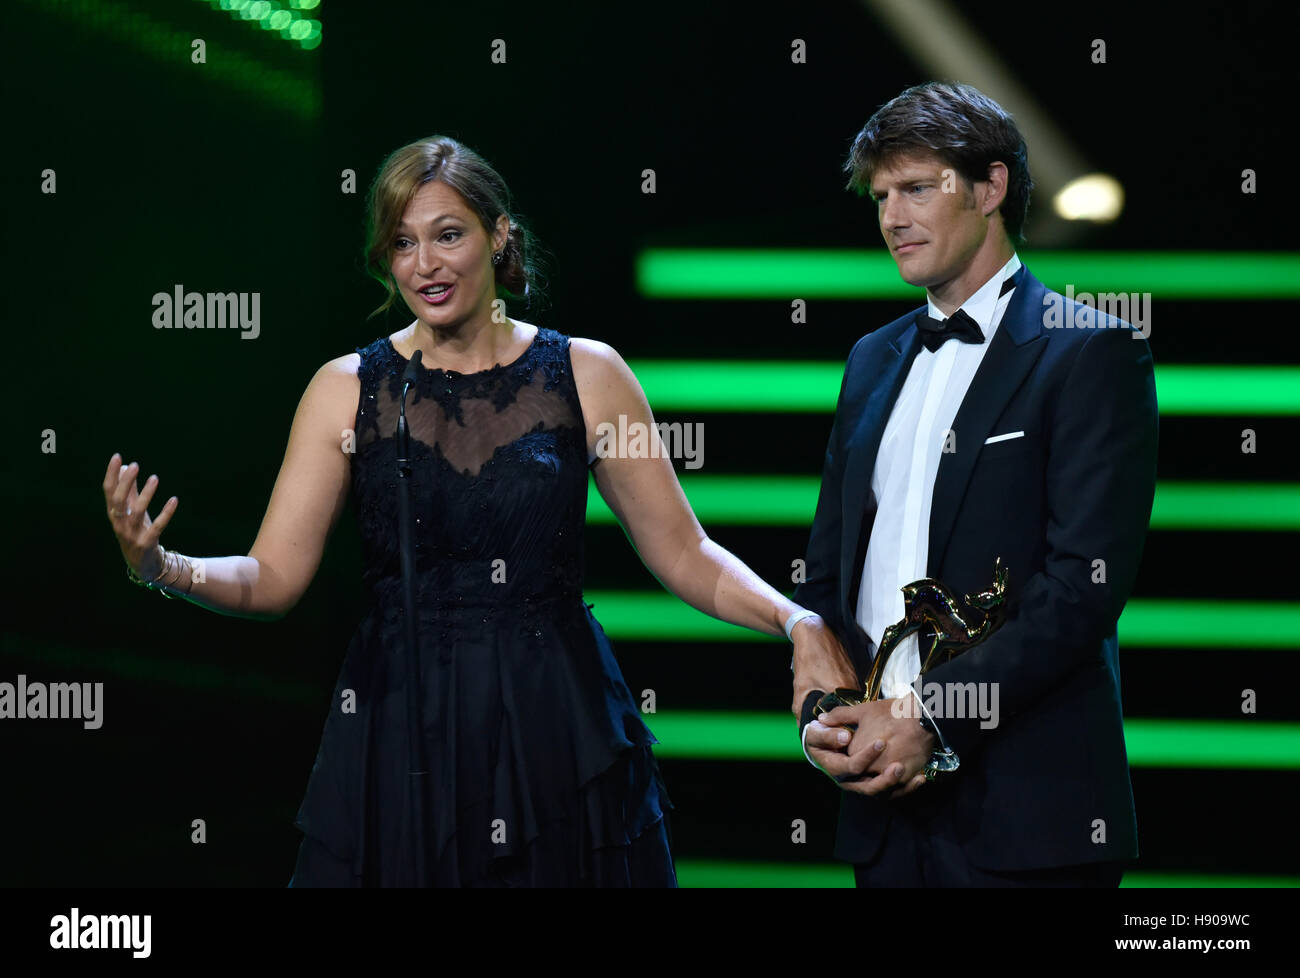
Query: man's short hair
(962, 126)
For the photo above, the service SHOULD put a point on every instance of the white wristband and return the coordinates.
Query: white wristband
(795, 618)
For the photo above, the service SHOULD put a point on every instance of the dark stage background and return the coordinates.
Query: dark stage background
(226, 176)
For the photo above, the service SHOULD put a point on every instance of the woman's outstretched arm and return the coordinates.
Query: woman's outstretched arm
(305, 504)
(648, 500)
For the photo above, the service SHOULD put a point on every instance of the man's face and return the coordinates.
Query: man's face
(932, 235)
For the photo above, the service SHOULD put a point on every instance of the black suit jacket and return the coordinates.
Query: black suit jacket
(1049, 785)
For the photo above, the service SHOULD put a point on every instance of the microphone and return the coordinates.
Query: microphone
(406, 555)
(412, 366)
(403, 433)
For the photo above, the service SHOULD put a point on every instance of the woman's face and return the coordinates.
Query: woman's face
(441, 258)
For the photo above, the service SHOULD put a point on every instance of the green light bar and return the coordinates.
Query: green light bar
(776, 500)
(281, 18)
(743, 500)
(739, 385)
(1157, 743)
(1195, 623)
(1176, 880)
(1212, 743)
(655, 616)
(811, 386)
(140, 33)
(1226, 506)
(740, 273)
(1219, 389)
(705, 873)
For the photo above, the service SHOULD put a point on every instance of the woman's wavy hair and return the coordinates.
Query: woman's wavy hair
(471, 176)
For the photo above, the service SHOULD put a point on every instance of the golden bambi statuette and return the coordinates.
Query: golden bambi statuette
(932, 610)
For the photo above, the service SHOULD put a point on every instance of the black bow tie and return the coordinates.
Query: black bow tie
(936, 332)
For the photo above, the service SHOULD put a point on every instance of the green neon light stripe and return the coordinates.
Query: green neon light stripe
(1220, 389)
(1174, 623)
(773, 500)
(811, 386)
(759, 875)
(654, 616)
(271, 15)
(140, 33)
(739, 385)
(743, 500)
(747, 736)
(1226, 506)
(707, 873)
(1212, 743)
(1174, 880)
(720, 273)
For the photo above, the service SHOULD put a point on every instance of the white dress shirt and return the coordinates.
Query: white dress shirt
(903, 478)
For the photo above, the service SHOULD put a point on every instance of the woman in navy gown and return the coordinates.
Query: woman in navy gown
(540, 767)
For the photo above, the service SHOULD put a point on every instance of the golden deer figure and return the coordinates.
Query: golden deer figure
(929, 607)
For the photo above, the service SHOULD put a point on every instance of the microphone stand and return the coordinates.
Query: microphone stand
(414, 726)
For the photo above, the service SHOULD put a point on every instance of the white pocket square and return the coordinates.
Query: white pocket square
(1007, 437)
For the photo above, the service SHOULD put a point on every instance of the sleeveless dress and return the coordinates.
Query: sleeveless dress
(540, 767)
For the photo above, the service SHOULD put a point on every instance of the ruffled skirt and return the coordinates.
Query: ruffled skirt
(540, 770)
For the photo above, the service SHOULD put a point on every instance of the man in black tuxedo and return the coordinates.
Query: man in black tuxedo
(1022, 427)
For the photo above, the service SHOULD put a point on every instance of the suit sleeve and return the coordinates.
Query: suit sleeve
(820, 589)
(1100, 484)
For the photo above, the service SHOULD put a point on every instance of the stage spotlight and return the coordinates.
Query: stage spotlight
(1095, 197)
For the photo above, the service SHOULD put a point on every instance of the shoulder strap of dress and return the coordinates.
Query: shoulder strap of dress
(371, 371)
(373, 360)
(558, 365)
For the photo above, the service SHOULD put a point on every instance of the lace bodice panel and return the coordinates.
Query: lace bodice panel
(499, 476)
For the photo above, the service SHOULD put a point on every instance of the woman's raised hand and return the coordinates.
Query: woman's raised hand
(137, 534)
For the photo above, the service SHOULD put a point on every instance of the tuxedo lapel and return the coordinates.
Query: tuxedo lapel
(1014, 349)
(889, 373)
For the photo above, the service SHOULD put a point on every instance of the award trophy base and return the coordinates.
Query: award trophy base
(931, 611)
